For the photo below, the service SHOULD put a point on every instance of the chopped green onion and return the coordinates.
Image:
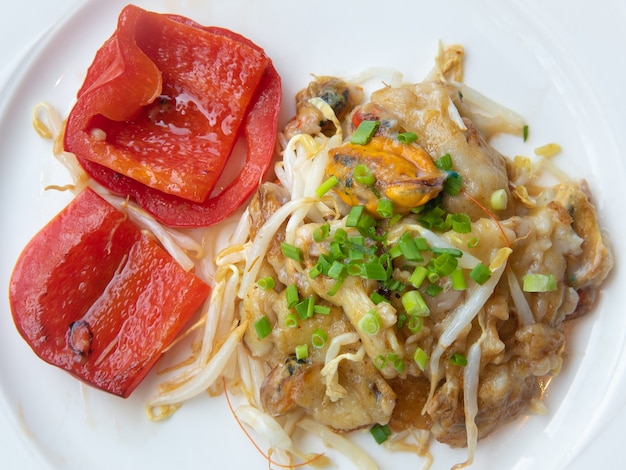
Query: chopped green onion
(458, 280)
(377, 298)
(525, 133)
(397, 362)
(480, 274)
(395, 252)
(380, 433)
(444, 162)
(366, 225)
(414, 304)
(460, 223)
(326, 186)
(354, 216)
(262, 327)
(409, 248)
(421, 243)
(336, 250)
(356, 254)
(291, 295)
(450, 251)
(380, 361)
(433, 290)
(445, 264)
(302, 352)
(319, 338)
(335, 288)
(395, 219)
(420, 358)
(433, 276)
(364, 133)
(291, 251)
(315, 270)
(370, 323)
(458, 360)
(418, 276)
(453, 183)
(385, 208)
(472, 242)
(414, 324)
(499, 200)
(355, 269)
(266, 283)
(407, 137)
(539, 283)
(340, 235)
(291, 320)
(337, 270)
(321, 232)
(362, 175)
(321, 309)
(375, 271)
(304, 308)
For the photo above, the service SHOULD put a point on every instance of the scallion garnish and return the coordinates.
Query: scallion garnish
(414, 304)
(369, 323)
(480, 274)
(458, 359)
(385, 208)
(433, 290)
(302, 352)
(407, 137)
(319, 338)
(291, 251)
(352, 220)
(380, 433)
(444, 162)
(305, 307)
(262, 327)
(409, 248)
(539, 282)
(460, 223)
(458, 280)
(337, 270)
(326, 186)
(421, 358)
(362, 175)
(375, 271)
(266, 283)
(377, 298)
(291, 295)
(364, 132)
(414, 324)
(291, 320)
(321, 309)
(525, 133)
(445, 264)
(321, 232)
(452, 185)
(444, 250)
(418, 276)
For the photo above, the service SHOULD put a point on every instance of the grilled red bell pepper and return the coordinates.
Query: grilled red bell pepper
(164, 101)
(93, 295)
(175, 211)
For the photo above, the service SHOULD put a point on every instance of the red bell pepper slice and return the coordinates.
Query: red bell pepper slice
(260, 136)
(163, 102)
(94, 296)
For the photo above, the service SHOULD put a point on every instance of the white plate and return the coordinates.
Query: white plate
(557, 63)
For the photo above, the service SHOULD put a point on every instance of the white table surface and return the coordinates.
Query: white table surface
(23, 22)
